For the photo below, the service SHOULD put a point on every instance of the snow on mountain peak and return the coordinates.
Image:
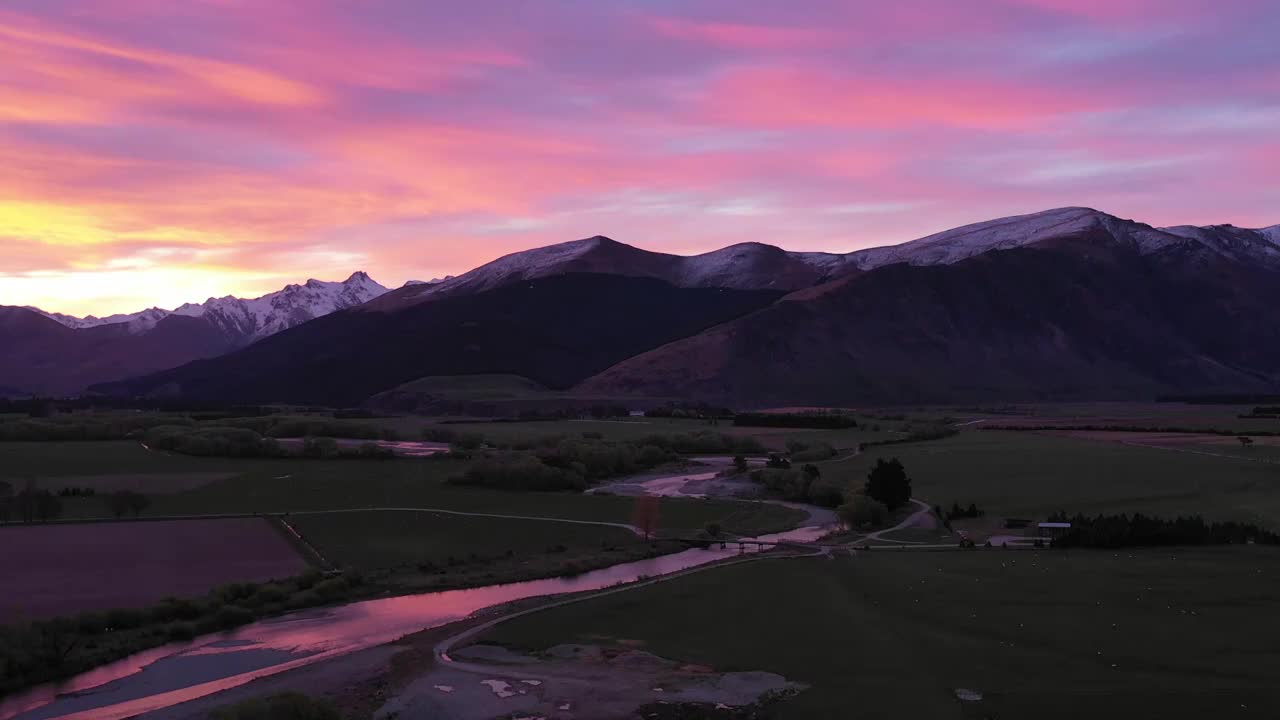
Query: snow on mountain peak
(960, 243)
(138, 322)
(255, 318)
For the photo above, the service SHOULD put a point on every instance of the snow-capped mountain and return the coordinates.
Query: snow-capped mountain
(745, 266)
(246, 320)
(756, 266)
(1237, 243)
(138, 322)
(257, 318)
(432, 281)
(952, 246)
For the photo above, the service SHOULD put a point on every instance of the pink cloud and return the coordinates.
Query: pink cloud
(296, 137)
(742, 36)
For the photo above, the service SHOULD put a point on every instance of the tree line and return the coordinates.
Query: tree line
(227, 441)
(32, 504)
(44, 650)
(821, 420)
(567, 465)
(1138, 530)
(556, 463)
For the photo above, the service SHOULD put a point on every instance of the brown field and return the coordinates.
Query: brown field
(57, 570)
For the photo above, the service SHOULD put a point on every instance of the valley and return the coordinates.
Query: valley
(550, 466)
(616, 360)
(399, 526)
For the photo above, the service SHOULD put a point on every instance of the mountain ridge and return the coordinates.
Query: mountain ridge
(815, 320)
(248, 319)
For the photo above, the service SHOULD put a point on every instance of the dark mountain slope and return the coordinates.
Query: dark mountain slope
(1077, 316)
(555, 330)
(39, 355)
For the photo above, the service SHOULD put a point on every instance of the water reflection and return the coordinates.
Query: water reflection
(180, 672)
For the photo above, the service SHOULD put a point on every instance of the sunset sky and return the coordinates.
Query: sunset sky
(154, 152)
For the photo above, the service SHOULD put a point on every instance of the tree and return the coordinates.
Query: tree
(713, 529)
(127, 501)
(40, 505)
(645, 515)
(888, 483)
(740, 463)
(812, 471)
(118, 502)
(6, 501)
(863, 512)
(138, 502)
(34, 504)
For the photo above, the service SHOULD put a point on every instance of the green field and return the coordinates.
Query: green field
(227, 485)
(41, 460)
(637, 428)
(1129, 414)
(1031, 475)
(377, 539)
(1142, 634)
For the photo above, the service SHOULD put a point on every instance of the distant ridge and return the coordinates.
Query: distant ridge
(51, 353)
(246, 320)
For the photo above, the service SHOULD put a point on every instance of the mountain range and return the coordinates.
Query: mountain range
(52, 353)
(1070, 303)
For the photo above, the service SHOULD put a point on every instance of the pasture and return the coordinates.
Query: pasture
(379, 539)
(1055, 634)
(181, 485)
(64, 569)
(1024, 474)
(772, 438)
(1130, 414)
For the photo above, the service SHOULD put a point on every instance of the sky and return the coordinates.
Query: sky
(156, 152)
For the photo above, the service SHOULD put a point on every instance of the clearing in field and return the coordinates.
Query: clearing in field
(59, 570)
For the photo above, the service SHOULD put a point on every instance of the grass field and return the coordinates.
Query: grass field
(226, 485)
(1144, 634)
(637, 428)
(382, 539)
(1133, 414)
(53, 460)
(1032, 475)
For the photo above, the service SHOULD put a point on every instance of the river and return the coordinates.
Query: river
(180, 672)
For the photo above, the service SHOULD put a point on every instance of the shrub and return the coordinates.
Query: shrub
(213, 441)
(824, 420)
(863, 512)
(519, 471)
(232, 616)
